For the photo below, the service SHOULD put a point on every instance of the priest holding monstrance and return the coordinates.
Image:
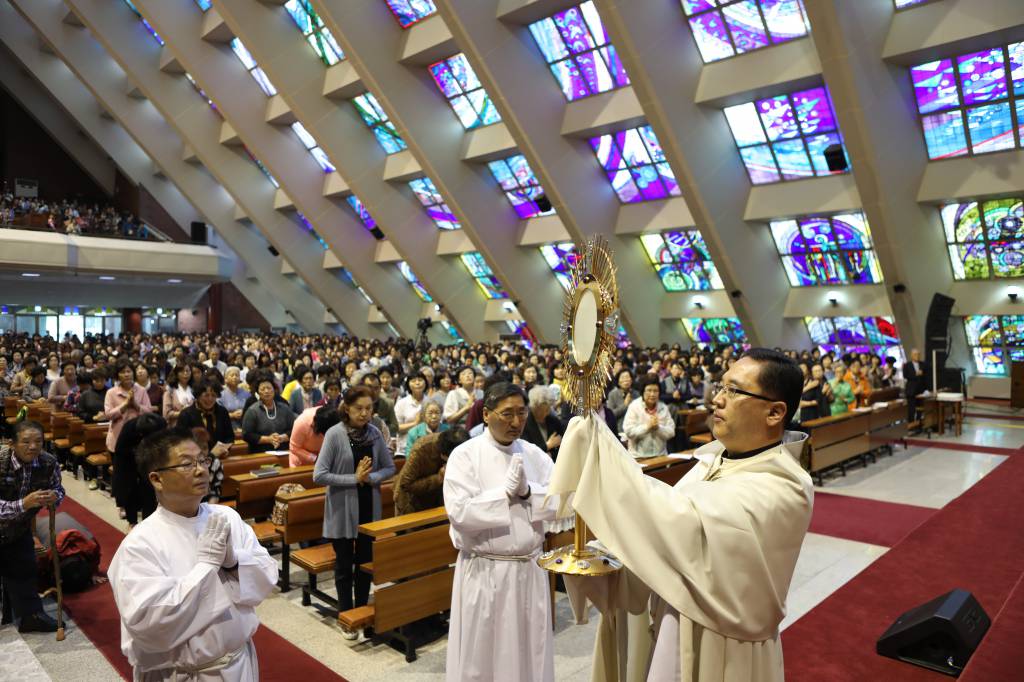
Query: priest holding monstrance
(716, 552)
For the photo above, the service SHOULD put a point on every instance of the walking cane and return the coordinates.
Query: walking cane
(56, 572)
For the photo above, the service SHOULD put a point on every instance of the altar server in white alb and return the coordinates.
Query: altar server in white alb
(187, 580)
(494, 491)
(716, 551)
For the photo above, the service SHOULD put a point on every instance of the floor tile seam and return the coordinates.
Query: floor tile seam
(875, 499)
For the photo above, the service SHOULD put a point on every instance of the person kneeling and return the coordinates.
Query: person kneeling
(188, 578)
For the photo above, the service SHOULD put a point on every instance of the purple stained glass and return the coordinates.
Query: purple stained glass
(622, 183)
(408, 12)
(574, 30)
(1007, 259)
(813, 111)
(549, 40)
(568, 75)
(745, 26)
(628, 157)
(594, 72)
(648, 181)
(691, 6)
(818, 234)
(778, 118)
(712, 37)
(615, 66)
(935, 86)
(983, 76)
(784, 19)
(787, 236)
(1016, 51)
(445, 79)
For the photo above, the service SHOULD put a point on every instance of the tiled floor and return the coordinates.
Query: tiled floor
(921, 475)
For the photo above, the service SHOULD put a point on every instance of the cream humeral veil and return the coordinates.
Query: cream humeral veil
(719, 548)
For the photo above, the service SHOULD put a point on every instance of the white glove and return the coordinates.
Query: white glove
(230, 559)
(213, 541)
(514, 477)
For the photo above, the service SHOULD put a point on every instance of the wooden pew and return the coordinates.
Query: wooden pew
(243, 464)
(836, 439)
(412, 570)
(256, 495)
(697, 426)
(883, 395)
(888, 425)
(304, 521)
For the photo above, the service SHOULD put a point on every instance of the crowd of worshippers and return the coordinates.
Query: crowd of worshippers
(73, 217)
(263, 388)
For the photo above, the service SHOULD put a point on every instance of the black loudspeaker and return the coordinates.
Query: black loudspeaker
(273, 251)
(940, 635)
(835, 157)
(198, 232)
(543, 203)
(936, 330)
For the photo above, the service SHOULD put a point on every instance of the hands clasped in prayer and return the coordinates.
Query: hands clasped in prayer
(214, 545)
(516, 484)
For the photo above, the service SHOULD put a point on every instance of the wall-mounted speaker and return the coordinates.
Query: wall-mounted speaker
(273, 251)
(835, 157)
(198, 232)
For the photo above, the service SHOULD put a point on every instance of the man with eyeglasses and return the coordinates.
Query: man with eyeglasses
(494, 492)
(716, 552)
(188, 578)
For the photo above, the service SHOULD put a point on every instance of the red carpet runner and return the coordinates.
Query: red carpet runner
(95, 613)
(863, 520)
(976, 543)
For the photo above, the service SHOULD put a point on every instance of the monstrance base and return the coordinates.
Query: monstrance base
(588, 561)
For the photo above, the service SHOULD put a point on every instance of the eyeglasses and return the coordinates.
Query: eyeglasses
(731, 392)
(507, 416)
(197, 465)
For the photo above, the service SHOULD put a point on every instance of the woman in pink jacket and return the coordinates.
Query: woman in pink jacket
(308, 434)
(124, 402)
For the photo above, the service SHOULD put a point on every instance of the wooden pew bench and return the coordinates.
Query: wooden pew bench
(235, 465)
(256, 495)
(836, 440)
(304, 522)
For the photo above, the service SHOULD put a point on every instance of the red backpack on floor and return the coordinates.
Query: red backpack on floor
(79, 557)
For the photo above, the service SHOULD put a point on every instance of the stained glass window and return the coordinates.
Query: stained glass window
(204, 4)
(383, 129)
(785, 137)
(484, 276)
(250, 64)
(560, 258)
(316, 33)
(841, 335)
(408, 12)
(682, 261)
(968, 103)
(995, 341)
(312, 147)
(985, 240)
(263, 169)
(351, 281)
(309, 228)
(579, 52)
(635, 165)
(364, 215)
(723, 28)
(827, 250)
(466, 95)
(452, 331)
(903, 4)
(152, 31)
(432, 200)
(411, 278)
(521, 186)
(715, 331)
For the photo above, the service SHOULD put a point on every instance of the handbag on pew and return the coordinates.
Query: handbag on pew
(279, 515)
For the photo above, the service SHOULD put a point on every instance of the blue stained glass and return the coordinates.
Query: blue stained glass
(1007, 259)
(1013, 329)
(408, 12)
(383, 129)
(901, 4)
(692, 6)
(1019, 105)
(820, 330)
(793, 160)
(432, 201)
(411, 278)
(989, 360)
(463, 72)
(520, 184)
(816, 147)
(243, 54)
(990, 127)
(745, 26)
(819, 250)
(944, 135)
(711, 36)
(1004, 218)
(787, 236)
(983, 76)
(458, 83)
(361, 211)
(935, 86)
(204, 4)
(560, 258)
(681, 261)
(797, 271)
(983, 330)
(851, 231)
(715, 331)
(760, 163)
(818, 234)
(549, 40)
(484, 276)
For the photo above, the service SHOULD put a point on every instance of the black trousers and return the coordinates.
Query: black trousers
(18, 571)
(348, 554)
(141, 500)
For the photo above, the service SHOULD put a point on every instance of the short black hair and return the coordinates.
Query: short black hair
(155, 449)
(27, 425)
(500, 391)
(207, 384)
(324, 418)
(649, 379)
(415, 375)
(779, 377)
(36, 371)
(450, 439)
(83, 378)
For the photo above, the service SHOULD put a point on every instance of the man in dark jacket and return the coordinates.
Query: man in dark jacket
(29, 481)
(419, 485)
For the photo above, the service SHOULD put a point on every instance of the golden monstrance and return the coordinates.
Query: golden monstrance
(590, 325)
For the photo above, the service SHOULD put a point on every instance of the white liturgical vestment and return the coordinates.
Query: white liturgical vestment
(716, 551)
(180, 614)
(500, 628)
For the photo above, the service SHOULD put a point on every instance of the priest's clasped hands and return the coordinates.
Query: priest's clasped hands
(516, 483)
(214, 544)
